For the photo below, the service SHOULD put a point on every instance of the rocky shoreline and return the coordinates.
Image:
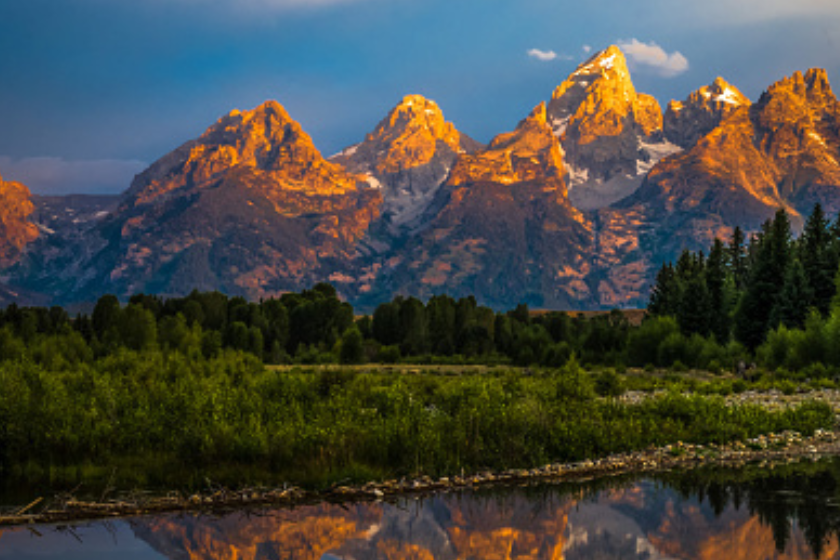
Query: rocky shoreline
(767, 450)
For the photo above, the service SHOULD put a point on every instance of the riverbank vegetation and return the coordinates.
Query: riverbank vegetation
(320, 425)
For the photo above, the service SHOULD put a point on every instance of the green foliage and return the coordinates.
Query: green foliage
(315, 423)
(352, 350)
(752, 319)
(791, 309)
(609, 384)
(643, 343)
(388, 355)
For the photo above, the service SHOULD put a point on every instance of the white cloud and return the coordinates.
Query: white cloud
(543, 56)
(57, 176)
(652, 56)
(586, 49)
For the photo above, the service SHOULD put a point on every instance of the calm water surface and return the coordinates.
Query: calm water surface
(787, 513)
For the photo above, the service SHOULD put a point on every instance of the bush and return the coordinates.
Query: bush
(352, 348)
(389, 355)
(643, 343)
(609, 384)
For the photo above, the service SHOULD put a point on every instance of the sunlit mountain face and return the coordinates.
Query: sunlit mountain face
(576, 207)
(754, 514)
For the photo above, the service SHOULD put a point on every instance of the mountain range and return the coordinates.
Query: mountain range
(643, 522)
(576, 208)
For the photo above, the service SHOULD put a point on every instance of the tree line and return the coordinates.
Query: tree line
(309, 327)
(774, 294)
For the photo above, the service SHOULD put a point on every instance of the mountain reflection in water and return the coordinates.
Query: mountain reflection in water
(789, 513)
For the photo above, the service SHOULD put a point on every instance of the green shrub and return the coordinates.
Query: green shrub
(609, 384)
(388, 355)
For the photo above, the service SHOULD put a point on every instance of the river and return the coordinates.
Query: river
(789, 512)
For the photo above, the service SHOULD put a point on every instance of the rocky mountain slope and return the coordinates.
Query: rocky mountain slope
(781, 152)
(575, 208)
(611, 134)
(507, 230)
(16, 229)
(688, 121)
(409, 155)
(250, 207)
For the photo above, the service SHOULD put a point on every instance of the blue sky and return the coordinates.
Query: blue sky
(93, 90)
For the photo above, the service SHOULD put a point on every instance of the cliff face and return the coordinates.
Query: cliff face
(688, 121)
(250, 207)
(611, 134)
(409, 155)
(781, 152)
(16, 229)
(506, 231)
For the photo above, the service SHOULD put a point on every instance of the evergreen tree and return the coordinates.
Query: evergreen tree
(521, 314)
(791, 308)
(835, 301)
(352, 349)
(737, 257)
(695, 308)
(816, 262)
(772, 253)
(665, 296)
(718, 305)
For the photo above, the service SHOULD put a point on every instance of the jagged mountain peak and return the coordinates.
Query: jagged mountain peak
(688, 121)
(264, 139)
(255, 132)
(602, 80)
(539, 114)
(418, 113)
(721, 91)
(816, 79)
(529, 152)
(409, 136)
(611, 134)
(812, 88)
(718, 93)
(408, 155)
(533, 133)
(611, 59)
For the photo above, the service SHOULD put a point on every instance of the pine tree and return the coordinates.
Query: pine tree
(665, 295)
(814, 255)
(719, 312)
(771, 257)
(791, 308)
(695, 307)
(737, 257)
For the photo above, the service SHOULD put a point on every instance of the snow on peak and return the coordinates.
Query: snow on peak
(347, 152)
(601, 62)
(607, 63)
(728, 96)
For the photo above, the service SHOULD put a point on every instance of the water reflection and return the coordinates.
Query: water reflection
(787, 514)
